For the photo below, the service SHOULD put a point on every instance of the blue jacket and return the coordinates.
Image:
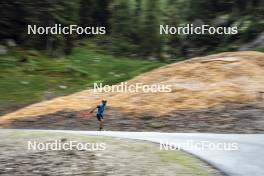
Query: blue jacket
(100, 109)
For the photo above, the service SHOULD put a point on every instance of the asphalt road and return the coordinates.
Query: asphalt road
(233, 154)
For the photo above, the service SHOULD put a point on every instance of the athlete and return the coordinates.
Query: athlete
(100, 113)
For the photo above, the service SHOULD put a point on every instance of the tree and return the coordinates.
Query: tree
(122, 26)
(171, 18)
(102, 14)
(151, 40)
(137, 22)
(87, 12)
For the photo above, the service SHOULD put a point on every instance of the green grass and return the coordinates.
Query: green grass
(260, 49)
(188, 161)
(42, 77)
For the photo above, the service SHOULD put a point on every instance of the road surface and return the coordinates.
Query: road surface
(233, 154)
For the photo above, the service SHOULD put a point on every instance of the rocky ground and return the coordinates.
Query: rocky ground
(227, 118)
(120, 158)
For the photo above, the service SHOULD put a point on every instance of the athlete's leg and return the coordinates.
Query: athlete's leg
(101, 124)
(100, 118)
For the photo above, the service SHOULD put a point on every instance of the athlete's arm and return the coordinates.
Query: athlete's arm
(94, 109)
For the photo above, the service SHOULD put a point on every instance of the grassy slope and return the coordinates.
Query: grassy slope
(41, 77)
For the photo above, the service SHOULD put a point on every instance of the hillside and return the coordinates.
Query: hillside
(30, 76)
(200, 83)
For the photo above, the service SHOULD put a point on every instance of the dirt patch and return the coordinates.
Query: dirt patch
(120, 158)
(227, 118)
(10, 108)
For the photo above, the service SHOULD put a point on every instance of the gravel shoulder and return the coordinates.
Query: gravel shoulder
(121, 157)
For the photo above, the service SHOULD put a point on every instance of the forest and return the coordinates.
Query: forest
(133, 25)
